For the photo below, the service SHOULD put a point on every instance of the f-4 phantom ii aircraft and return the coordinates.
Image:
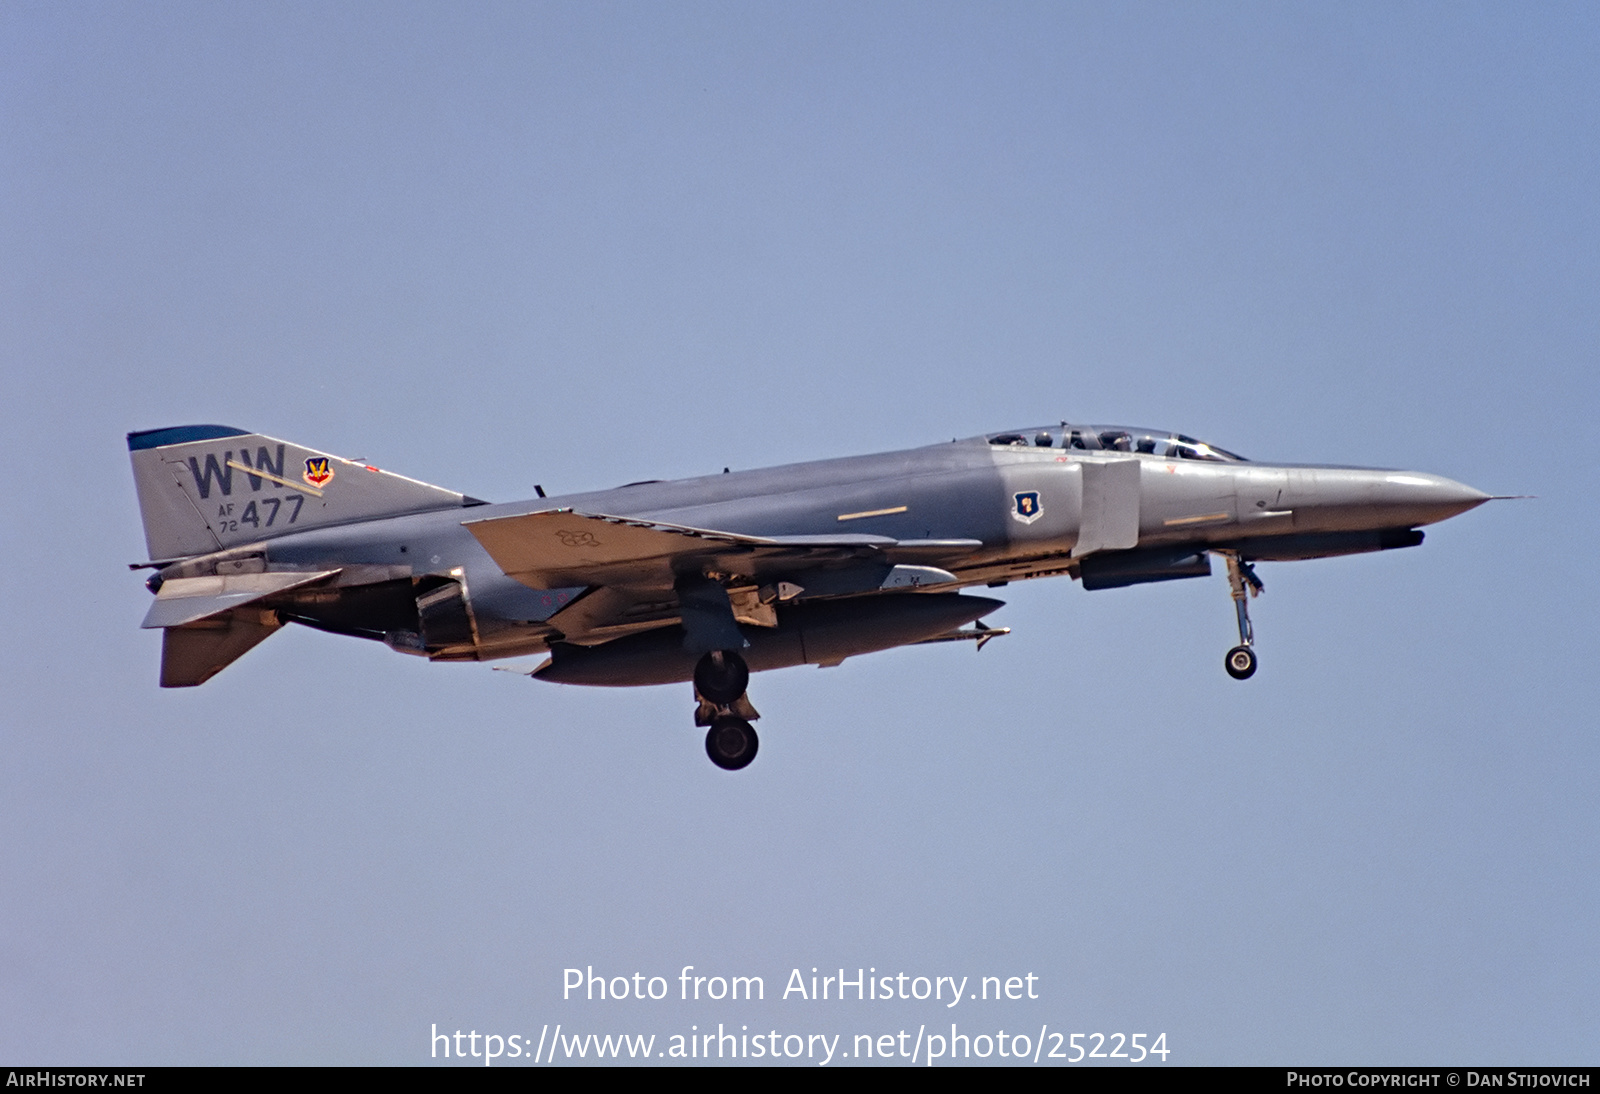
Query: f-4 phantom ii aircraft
(712, 578)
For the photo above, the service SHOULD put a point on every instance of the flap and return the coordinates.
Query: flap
(188, 599)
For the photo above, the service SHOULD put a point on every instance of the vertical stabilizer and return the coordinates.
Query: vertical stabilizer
(204, 488)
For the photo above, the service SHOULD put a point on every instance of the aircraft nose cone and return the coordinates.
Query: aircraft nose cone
(1350, 499)
(1429, 498)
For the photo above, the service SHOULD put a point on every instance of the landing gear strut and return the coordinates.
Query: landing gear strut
(720, 678)
(1244, 584)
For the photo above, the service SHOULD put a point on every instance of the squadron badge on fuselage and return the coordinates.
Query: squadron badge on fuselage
(319, 472)
(1025, 506)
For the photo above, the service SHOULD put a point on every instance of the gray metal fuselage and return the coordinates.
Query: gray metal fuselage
(1033, 510)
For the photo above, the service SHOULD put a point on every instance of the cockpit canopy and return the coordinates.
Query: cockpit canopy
(1117, 438)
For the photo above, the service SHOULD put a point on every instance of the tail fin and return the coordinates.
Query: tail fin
(203, 488)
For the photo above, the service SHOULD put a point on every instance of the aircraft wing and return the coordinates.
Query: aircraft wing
(558, 548)
(562, 548)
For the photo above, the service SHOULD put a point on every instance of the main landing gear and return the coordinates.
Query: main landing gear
(731, 742)
(1244, 584)
(720, 678)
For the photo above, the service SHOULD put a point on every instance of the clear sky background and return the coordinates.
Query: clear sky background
(582, 244)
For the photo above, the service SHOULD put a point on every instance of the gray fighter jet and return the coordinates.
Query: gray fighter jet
(710, 579)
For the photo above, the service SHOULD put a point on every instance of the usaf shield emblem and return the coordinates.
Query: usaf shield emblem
(1025, 506)
(319, 471)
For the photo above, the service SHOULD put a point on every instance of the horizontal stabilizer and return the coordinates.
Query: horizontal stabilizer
(190, 599)
(193, 654)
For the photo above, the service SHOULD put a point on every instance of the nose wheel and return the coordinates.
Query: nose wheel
(1242, 584)
(720, 678)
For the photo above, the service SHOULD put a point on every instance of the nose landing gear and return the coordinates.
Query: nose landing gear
(1243, 584)
(720, 678)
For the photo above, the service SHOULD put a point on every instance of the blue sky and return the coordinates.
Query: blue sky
(579, 245)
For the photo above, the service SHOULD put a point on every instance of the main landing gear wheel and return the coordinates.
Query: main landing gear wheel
(721, 677)
(1241, 662)
(731, 742)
